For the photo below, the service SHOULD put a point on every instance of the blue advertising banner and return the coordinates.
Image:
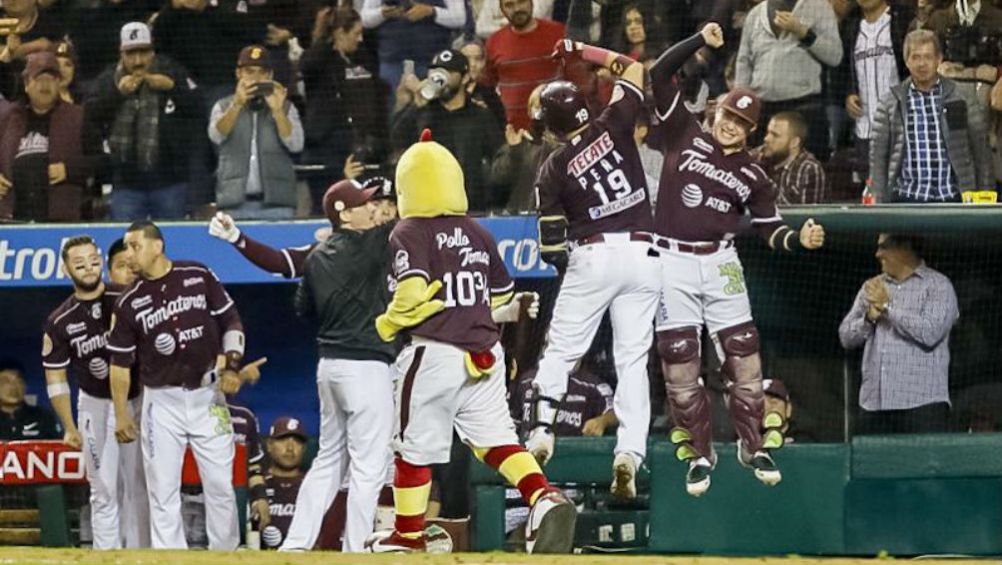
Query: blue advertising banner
(29, 255)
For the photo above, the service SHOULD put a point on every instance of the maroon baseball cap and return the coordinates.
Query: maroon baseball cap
(345, 194)
(287, 426)
(744, 104)
(39, 63)
(254, 56)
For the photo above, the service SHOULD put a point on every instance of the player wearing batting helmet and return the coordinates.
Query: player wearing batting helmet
(708, 184)
(595, 222)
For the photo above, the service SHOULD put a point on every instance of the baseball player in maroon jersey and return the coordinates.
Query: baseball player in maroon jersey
(450, 285)
(709, 181)
(174, 320)
(595, 218)
(289, 261)
(74, 340)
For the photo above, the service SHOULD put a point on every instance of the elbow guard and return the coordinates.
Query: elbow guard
(552, 233)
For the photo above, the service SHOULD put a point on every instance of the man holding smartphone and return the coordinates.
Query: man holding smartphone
(255, 131)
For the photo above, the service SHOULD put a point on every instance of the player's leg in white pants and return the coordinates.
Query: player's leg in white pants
(323, 480)
(134, 504)
(632, 315)
(163, 443)
(96, 421)
(367, 399)
(211, 438)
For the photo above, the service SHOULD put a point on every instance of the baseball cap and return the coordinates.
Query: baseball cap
(451, 60)
(41, 62)
(136, 35)
(254, 56)
(345, 194)
(776, 389)
(286, 426)
(744, 104)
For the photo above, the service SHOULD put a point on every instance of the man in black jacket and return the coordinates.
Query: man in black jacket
(146, 108)
(874, 61)
(343, 289)
(468, 130)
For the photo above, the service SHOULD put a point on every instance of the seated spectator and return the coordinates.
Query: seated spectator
(345, 106)
(466, 129)
(66, 57)
(874, 61)
(146, 108)
(518, 58)
(18, 420)
(944, 150)
(256, 130)
(413, 31)
(798, 175)
(36, 30)
(783, 47)
(516, 165)
(46, 152)
(903, 317)
(491, 19)
(476, 55)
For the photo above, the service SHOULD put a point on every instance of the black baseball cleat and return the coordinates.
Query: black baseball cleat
(550, 528)
(697, 479)
(764, 467)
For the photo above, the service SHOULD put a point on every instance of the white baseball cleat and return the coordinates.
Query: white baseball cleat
(550, 528)
(762, 464)
(697, 478)
(540, 444)
(389, 541)
(624, 477)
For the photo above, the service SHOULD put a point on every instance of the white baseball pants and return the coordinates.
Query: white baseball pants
(435, 394)
(356, 427)
(174, 418)
(698, 289)
(119, 506)
(620, 276)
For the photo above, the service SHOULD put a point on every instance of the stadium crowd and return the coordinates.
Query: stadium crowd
(131, 109)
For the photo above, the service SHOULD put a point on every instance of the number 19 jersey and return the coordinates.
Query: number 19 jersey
(461, 254)
(597, 180)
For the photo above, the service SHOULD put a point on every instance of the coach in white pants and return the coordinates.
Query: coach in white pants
(343, 289)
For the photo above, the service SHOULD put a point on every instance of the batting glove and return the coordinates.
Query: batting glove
(222, 226)
(566, 49)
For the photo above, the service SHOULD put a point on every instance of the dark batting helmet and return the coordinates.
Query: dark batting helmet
(562, 108)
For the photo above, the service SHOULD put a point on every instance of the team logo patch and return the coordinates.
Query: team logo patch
(77, 328)
(402, 262)
(99, 368)
(140, 302)
(692, 196)
(192, 281)
(95, 311)
(735, 278)
(46, 345)
(702, 145)
(743, 102)
(165, 344)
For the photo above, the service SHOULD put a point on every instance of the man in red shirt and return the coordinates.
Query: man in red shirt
(518, 58)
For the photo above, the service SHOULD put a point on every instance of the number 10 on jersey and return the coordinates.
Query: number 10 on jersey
(462, 289)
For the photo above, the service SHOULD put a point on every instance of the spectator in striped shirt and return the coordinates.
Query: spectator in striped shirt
(799, 176)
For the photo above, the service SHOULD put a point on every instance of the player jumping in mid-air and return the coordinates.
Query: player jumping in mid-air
(451, 286)
(709, 181)
(593, 203)
(74, 340)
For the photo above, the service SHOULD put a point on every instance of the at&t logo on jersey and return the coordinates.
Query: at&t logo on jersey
(165, 344)
(99, 368)
(692, 196)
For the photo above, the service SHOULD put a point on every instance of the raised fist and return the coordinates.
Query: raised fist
(812, 235)
(713, 35)
(567, 48)
(222, 226)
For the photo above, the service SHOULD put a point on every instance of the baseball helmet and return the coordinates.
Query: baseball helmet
(562, 108)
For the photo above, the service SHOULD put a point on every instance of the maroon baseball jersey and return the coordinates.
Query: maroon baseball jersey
(597, 180)
(287, 262)
(587, 397)
(282, 493)
(703, 193)
(174, 325)
(245, 431)
(463, 255)
(75, 338)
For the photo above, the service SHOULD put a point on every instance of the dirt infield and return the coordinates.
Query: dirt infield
(41, 556)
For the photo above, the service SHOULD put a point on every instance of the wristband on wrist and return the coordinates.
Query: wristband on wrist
(57, 389)
(809, 39)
